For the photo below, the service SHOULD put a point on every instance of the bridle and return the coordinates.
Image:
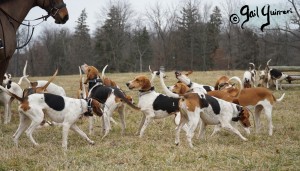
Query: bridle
(52, 11)
(54, 8)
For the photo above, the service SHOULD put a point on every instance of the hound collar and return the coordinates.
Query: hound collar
(89, 107)
(143, 92)
(190, 85)
(238, 117)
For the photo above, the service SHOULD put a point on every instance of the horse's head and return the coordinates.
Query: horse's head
(55, 8)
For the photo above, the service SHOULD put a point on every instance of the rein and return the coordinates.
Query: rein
(10, 19)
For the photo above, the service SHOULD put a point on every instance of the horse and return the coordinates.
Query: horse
(13, 13)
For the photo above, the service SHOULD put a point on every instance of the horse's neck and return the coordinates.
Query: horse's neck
(18, 10)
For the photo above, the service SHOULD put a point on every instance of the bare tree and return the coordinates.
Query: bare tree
(229, 7)
(161, 22)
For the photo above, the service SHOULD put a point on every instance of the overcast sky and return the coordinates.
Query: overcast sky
(93, 8)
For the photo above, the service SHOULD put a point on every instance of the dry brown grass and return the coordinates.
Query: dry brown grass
(156, 150)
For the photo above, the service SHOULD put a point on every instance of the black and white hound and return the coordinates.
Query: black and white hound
(112, 99)
(277, 75)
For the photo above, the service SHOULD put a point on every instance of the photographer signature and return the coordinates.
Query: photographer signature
(265, 12)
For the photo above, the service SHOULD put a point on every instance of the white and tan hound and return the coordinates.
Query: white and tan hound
(93, 76)
(258, 98)
(249, 77)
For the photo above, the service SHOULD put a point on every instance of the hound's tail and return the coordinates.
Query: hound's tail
(280, 99)
(236, 79)
(121, 95)
(267, 66)
(24, 75)
(165, 88)
(80, 80)
(154, 74)
(241, 86)
(50, 80)
(103, 71)
(12, 94)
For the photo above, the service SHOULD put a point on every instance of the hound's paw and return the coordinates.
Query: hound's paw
(245, 139)
(92, 142)
(191, 146)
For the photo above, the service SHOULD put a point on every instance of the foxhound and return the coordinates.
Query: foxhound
(111, 97)
(269, 75)
(249, 77)
(247, 80)
(181, 89)
(258, 98)
(152, 104)
(60, 109)
(186, 80)
(208, 110)
(93, 76)
(278, 76)
(5, 99)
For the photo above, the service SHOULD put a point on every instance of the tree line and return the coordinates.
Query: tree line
(190, 37)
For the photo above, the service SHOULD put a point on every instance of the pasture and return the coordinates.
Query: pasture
(156, 150)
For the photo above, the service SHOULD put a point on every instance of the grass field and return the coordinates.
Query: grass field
(156, 150)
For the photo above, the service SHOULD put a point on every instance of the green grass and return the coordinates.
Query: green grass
(156, 150)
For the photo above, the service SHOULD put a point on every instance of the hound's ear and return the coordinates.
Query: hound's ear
(236, 101)
(97, 107)
(203, 101)
(8, 86)
(183, 89)
(9, 76)
(146, 84)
